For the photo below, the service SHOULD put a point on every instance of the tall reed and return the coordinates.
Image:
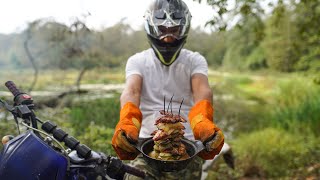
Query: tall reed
(297, 106)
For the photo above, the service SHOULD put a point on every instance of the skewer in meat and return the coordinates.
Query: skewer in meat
(167, 139)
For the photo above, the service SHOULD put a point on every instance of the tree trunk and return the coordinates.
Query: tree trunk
(78, 83)
(31, 58)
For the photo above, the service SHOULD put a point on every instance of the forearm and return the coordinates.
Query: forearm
(204, 94)
(130, 95)
(201, 89)
(132, 91)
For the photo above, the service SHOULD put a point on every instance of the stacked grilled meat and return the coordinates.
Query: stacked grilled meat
(167, 139)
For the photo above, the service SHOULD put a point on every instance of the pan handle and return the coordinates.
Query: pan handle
(199, 146)
(140, 142)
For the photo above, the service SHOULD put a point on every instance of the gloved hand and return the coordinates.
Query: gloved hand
(127, 132)
(201, 121)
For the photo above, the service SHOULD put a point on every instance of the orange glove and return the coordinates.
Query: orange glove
(201, 121)
(127, 132)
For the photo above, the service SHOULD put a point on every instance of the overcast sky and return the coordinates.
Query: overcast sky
(15, 14)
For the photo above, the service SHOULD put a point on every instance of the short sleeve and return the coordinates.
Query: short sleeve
(133, 66)
(199, 64)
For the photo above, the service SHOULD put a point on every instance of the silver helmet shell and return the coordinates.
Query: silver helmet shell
(167, 19)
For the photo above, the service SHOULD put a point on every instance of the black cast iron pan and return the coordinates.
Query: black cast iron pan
(145, 146)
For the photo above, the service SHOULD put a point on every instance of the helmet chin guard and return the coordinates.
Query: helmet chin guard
(167, 23)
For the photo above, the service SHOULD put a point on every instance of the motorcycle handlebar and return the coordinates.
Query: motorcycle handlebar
(13, 88)
(19, 97)
(116, 165)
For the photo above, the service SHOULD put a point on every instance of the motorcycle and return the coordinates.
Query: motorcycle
(40, 153)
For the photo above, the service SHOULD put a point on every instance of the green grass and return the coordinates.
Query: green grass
(297, 105)
(98, 137)
(281, 127)
(59, 78)
(276, 153)
(102, 112)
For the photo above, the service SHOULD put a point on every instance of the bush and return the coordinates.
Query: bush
(256, 60)
(103, 112)
(91, 122)
(98, 137)
(297, 105)
(275, 153)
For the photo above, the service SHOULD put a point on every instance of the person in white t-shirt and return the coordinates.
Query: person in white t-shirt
(163, 71)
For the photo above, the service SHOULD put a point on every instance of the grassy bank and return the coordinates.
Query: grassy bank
(275, 124)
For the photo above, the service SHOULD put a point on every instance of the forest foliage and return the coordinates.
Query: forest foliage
(285, 39)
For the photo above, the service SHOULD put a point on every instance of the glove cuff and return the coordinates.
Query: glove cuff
(202, 112)
(130, 110)
(203, 107)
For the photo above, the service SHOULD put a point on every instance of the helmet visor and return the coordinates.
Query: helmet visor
(162, 17)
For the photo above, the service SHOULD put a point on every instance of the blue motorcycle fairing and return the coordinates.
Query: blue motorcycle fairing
(28, 157)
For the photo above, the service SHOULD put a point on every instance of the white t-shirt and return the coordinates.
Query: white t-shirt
(161, 81)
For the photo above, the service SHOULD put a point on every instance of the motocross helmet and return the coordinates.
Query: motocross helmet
(167, 23)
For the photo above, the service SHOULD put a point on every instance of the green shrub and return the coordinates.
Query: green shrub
(256, 60)
(87, 121)
(8, 128)
(275, 153)
(98, 137)
(297, 105)
(101, 112)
